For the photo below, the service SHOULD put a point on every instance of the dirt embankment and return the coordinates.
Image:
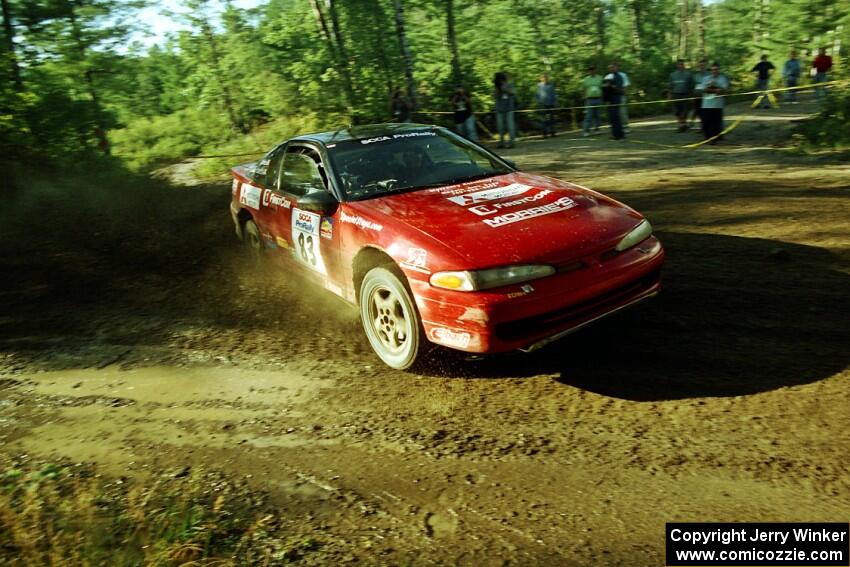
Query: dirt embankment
(160, 350)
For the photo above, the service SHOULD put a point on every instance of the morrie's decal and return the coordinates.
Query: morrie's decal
(235, 186)
(490, 194)
(250, 196)
(270, 198)
(417, 259)
(327, 227)
(396, 136)
(484, 210)
(561, 204)
(450, 337)
(281, 242)
(359, 221)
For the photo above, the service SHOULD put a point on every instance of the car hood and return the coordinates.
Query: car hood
(517, 217)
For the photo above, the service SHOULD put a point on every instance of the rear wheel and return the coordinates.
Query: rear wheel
(253, 240)
(390, 318)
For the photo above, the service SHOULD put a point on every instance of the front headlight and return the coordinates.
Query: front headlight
(640, 233)
(486, 279)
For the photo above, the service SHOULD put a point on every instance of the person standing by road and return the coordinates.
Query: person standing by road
(698, 75)
(822, 66)
(762, 70)
(503, 93)
(546, 101)
(464, 118)
(592, 85)
(399, 107)
(612, 93)
(624, 109)
(714, 87)
(680, 87)
(791, 74)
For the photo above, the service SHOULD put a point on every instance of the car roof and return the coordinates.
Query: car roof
(365, 131)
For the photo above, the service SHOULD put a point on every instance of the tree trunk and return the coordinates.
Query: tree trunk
(635, 10)
(100, 126)
(405, 53)
(338, 61)
(9, 41)
(379, 21)
(230, 107)
(600, 27)
(700, 17)
(345, 64)
(682, 52)
(457, 73)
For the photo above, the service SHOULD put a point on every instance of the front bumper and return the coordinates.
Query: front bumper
(527, 317)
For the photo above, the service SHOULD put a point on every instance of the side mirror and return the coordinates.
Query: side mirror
(319, 201)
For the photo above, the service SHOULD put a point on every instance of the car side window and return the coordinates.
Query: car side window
(302, 172)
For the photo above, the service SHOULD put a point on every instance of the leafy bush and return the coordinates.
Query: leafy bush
(832, 126)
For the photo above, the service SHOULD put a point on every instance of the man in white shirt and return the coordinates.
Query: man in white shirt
(714, 86)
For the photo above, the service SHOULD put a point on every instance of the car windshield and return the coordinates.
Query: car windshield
(372, 167)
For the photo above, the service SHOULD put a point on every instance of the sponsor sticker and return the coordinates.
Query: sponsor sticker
(450, 337)
(250, 196)
(417, 259)
(490, 194)
(305, 239)
(483, 210)
(396, 137)
(270, 198)
(281, 242)
(524, 290)
(359, 222)
(327, 227)
(235, 186)
(561, 204)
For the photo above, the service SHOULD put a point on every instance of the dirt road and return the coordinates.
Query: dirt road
(726, 399)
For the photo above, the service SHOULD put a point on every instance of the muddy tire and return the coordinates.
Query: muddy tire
(390, 318)
(253, 240)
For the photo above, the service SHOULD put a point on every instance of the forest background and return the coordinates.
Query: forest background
(77, 90)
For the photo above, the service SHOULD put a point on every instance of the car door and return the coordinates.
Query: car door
(310, 235)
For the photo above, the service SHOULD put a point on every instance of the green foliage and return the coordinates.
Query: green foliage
(832, 127)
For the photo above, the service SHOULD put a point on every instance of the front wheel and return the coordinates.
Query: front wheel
(390, 318)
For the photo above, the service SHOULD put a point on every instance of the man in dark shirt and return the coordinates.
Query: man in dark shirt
(763, 69)
(612, 93)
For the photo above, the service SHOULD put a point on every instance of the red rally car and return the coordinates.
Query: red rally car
(437, 239)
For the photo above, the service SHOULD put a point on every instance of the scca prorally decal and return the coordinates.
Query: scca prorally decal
(561, 204)
(396, 137)
(450, 337)
(250, 196)
(359, 222)
(484, 210)
(305, 221)
(490, 194)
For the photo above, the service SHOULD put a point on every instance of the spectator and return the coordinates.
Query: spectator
(592, 85)
(762, 70)
(464, 118)
(680, 87)
(791, 73)
(714, 87)
(612, 93)
(399, 107)
(505, 105)
(546, 101)
(822, 65)
(624, 109)
(698, 76)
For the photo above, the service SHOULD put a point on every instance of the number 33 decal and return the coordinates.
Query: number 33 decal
(306, 246)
